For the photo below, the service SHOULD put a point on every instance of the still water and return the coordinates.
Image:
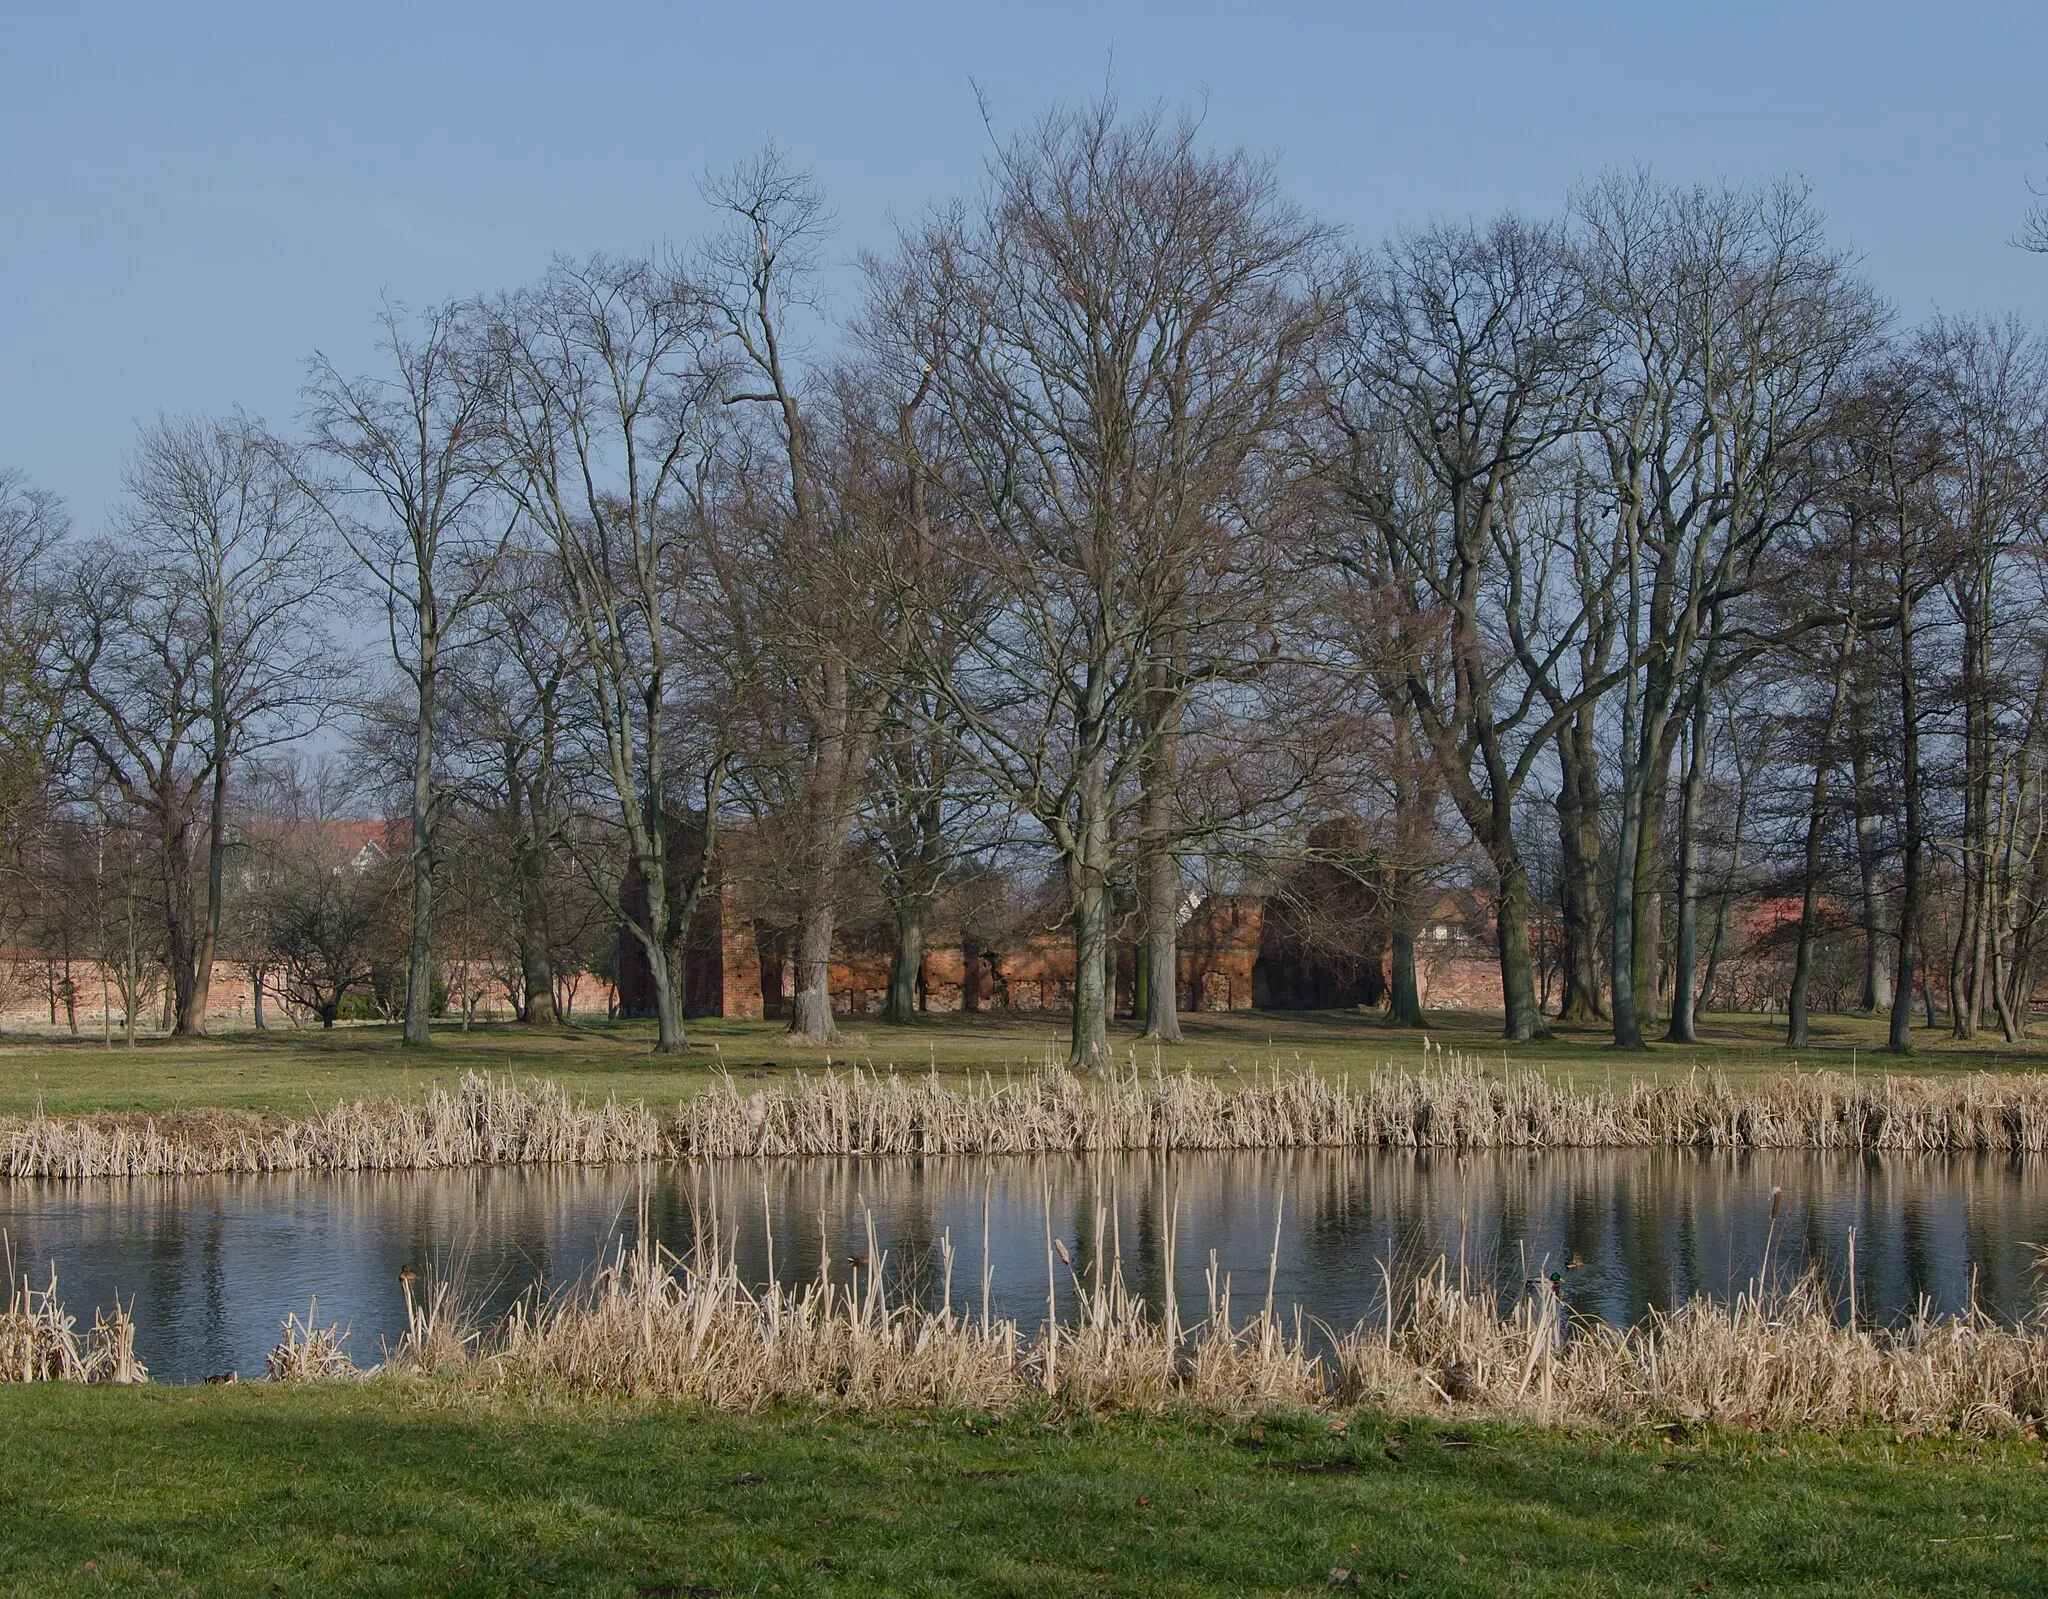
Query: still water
(212, 1266)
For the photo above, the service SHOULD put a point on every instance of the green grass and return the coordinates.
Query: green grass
(395, 1489)
(283, 1071)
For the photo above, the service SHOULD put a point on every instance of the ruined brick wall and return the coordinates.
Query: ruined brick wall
(25, 996)
(1464, 981)
(1037, 974)
(1219, 945)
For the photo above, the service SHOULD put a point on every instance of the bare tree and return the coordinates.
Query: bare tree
(413, 497)
(1457, 370)
(802, 574)
(606, 384)
(1988, 380)
(1894, 456)
(1728, 326)
(1115, 337)
(512, 750)
(324, 897)
(32, 524)
(191, 645)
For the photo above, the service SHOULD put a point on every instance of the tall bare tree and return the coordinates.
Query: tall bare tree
(196, 641)
(1116, 336)
(514, 755)
(414, 496)
(1988, 379)
(1457, 371)
(804, 545)
(32, 524)
(606, 383)
(1729, 323)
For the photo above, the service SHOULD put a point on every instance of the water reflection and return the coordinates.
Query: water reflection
(213, 1265)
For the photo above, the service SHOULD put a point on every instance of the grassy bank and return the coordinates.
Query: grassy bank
(280, 1071)
(401, 1489)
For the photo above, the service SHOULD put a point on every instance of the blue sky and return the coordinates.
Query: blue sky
(194, 197)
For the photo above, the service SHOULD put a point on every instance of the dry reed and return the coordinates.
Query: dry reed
(308, 1352)
(1771, 1361)
(1452, 1102)
(484, 1121)
(653, 1326)
(39, 1340)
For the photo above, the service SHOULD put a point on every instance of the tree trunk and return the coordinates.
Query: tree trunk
(1901, 1035)
(1877, 977)
(1809, 906)
(1158, 871)
(668, 1005)
(1634, 939)
(1090, 1049)
(813, 1007)
(1162, 945)
(1648, 921)
(644, 907)
(419, 970)
(536, 969)
(256, 994)
(1578, 834)
(1816, 818)
(1999, 999)
(181, 931)
(910, 917)
(1492, 822)
(1404, 994)
(192, 1014)
(1686, 951)
(1708, 990)
(1088, 868)
(842, 745)
(1968, 960)
(1517, 970)
(1621, 941)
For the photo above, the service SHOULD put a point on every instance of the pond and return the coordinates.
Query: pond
(213, 1265)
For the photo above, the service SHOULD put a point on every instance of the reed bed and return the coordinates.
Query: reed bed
(1450, 1102)
(308, 1352)
(1770, 1361)
(653, 1326)
(482, 1121)
(40, 1341)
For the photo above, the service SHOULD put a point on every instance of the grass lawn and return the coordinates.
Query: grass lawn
(285, 1071)
(395, 1489)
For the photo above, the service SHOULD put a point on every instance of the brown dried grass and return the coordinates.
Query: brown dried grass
(40, 1341)
(1771, 1361)
(483, 1121)
(308, 1352)
(1451, 1102)
(654, 1326)
(662, 1328)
